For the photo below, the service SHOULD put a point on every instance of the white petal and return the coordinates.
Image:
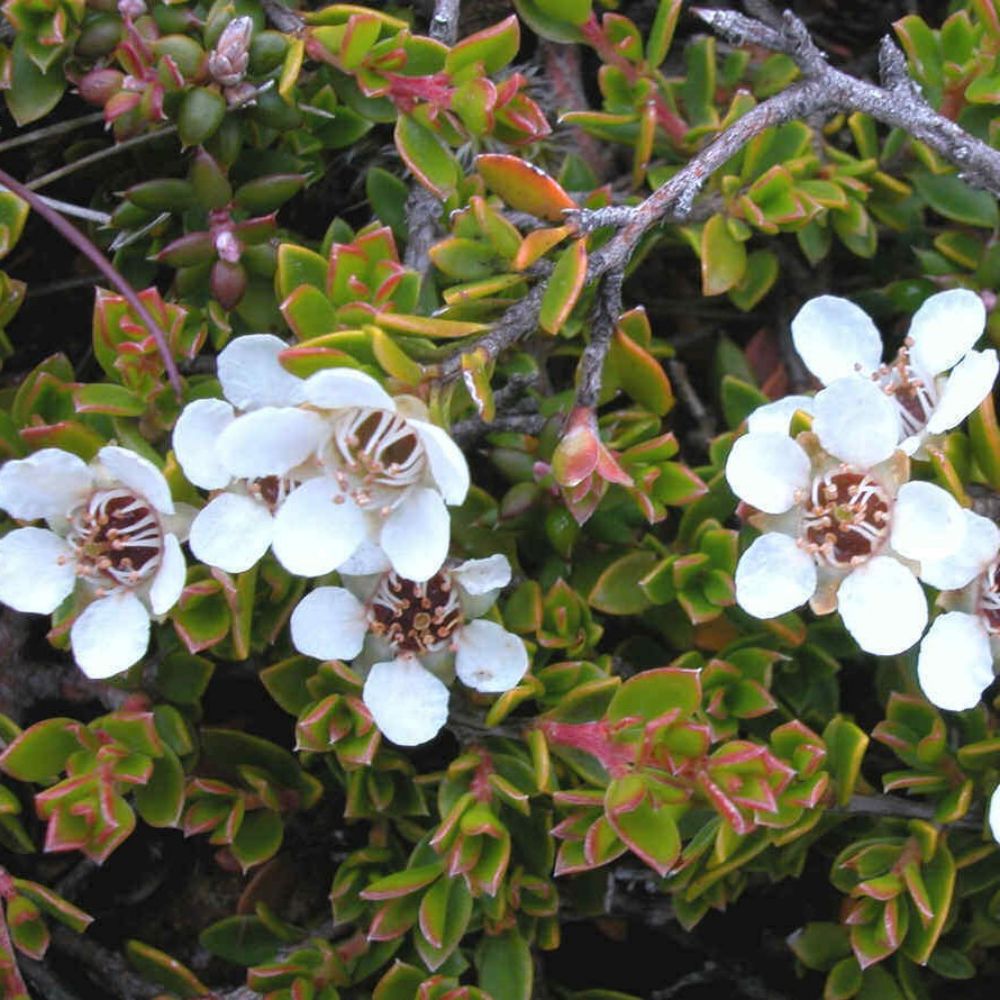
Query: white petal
(110, 635)
(448, 465)
(969, 383)
(333, 388)
(415, 535)
(834, 338)
(956, 663)
(409, 704)
(49, 483)
(270, 441)
(252, 376)
(773, 576)
(975, 552)
(767, 470)
(994, 814)
(317, 528)
(330, 624)
(138, 474)
(883, 606)
(776, 417)
(944, 328)
(168, 583)
(37, 570)
(368, 559)
(488, 657)
(480, 576)
(232, 532)
(856, 422)
(195, 436)
(927, 522)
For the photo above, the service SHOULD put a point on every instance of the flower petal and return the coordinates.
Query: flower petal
(252, 376)
(994, 814)
(49, 483)
(776, 417)
(368, 559)
(232, 532)
(969, 383)
(767, 471)
(834, 338)
(773, 576)
(488, 657)
(415, 535)
(480, 576)
(856, 422)
(37, 570)
(883, 606)
(317, 528)
(944, 328)
(330, 624)
(334, 388)
(409, 704)
(195, 435)
(927, 522)
(447, 463)
(977, 549)
(138, 474)
(110, 635)
(270, 441)
(168, 583)
(955, 664)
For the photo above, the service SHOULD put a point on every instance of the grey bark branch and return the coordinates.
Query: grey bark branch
(822, 90)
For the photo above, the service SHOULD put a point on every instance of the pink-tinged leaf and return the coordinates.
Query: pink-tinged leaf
(651, 834)
(428, 326)
(394, 918)
(537, 244)
(494, 47)
(640, 374)
(476, 372)
(309, 313)
(577, 454)
(430, 161)
(402, 883)
(27, 928)
(563, 287)
(523, 186)
(723, 257)
(40, 752)
(54, 905)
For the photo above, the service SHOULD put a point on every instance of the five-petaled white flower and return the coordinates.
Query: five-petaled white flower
(956, 658)
(360, 480)
(410, 635)
(843, 527)
(113, 527)
(836, 338)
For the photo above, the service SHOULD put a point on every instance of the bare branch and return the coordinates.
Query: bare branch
(444, 23)
(606, 313)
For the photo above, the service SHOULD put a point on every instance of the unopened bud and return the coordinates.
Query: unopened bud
(228, 283)
(100, 85)
(131, 9)
(228, 62)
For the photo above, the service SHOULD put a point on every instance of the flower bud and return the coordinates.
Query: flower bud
(131, 9)
(228, 283)
(100, 85)
(228, 62)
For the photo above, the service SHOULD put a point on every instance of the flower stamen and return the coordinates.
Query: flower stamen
(989, 597)
(846, 517)
(415, 617)
(915, 397)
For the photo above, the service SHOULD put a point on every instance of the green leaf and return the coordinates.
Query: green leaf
(286, 683)
(820, 945)
(844, 980)
(640, 374)
(494, 47)
(258, 839)
(953, 198)
(846, 744)
(268, 194)
(655, 692)
(563, 287)
(27, 928)
(402, 883)
(387, 195)
(951, 963)
(201, 113)
(739, 399)
(723, 257)
(431, 162)
(298, 266)
(32, 94)
(505, 966)
(939, 880)
(546, 18)
(651, 833)
(165, 970)
(242, 940)
(758, 279)
(309, 313)
(182, 678)
(985, 437)
(54, 905)
(161, 800)
(40, 753)
(661, 34)
(617, 590)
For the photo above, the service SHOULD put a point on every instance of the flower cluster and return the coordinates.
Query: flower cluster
(844, 526)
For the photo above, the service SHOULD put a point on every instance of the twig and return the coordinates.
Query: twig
(101, 154)
(606, 313)
(59, 128)
(73, 235)
(282, 18)
(823, 90)
(444, 23)
(894, 807)
(77, 211)
(109, 970)
(47, 984)
(702, 414)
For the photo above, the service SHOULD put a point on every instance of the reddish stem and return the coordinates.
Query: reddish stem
(12, 986)
(593, 738)
(73, 235)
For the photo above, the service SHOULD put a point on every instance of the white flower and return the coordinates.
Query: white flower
(237, 526)
(409, 635)
(994, 814)
(363, 478)
(113, 527)
(837, 339)
(956, 658)
(843, 528)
